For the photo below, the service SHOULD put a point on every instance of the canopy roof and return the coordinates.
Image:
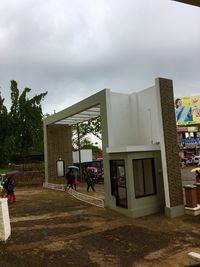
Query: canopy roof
(85, 115)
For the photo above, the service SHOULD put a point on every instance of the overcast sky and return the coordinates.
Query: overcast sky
(73, 49)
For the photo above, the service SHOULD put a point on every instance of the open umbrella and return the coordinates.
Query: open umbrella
(195, 169)
(73, 167)
(92, 169)
(11, 174)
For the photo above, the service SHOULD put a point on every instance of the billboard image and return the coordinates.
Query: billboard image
(187, 110)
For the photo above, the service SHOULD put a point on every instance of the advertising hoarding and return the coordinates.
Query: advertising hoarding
(187, 110)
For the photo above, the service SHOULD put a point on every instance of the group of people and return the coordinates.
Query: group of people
(71, 181)
(7, 188)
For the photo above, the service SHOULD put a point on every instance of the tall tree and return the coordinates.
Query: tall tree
(24, 124)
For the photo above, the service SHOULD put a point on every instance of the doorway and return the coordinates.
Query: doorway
(118, 182)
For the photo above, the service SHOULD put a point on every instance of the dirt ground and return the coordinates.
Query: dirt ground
(52, 228)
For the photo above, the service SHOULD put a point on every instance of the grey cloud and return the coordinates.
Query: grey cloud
(74, 48)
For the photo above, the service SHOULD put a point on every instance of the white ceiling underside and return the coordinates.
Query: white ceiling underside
(82, 116)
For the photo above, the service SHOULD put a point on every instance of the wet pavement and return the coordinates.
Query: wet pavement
(52, 228)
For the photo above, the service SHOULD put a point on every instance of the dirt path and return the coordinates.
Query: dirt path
(51, 228)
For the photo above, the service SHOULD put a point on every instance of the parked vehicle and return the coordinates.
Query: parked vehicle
(196, 160)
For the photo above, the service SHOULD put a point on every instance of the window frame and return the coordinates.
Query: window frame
(143, 177)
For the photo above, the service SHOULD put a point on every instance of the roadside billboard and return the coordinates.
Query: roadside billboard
(187, 110)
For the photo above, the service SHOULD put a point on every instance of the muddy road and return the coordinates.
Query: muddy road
(51, 228)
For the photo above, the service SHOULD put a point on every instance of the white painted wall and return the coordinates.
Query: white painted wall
(119, 120)
(147, 117)
(133, 119)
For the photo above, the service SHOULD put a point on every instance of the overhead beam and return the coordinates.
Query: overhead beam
(190, 2)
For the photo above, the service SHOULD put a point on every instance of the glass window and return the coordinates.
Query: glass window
(144, 177)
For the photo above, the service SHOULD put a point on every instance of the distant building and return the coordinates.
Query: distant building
(187, 110)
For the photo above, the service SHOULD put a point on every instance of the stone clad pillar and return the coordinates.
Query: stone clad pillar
(59, 147)
(170, 151)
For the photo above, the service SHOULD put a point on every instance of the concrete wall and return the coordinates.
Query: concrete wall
(119, 117)
(146, 123)
(133, 119)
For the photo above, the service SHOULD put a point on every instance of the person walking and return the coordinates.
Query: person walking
(89, 177)
(197, 177)
(73, 181)
(68, 177)
(9, 187)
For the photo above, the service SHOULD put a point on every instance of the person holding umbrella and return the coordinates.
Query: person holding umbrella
(68, 177)
(89, 177)
(197, 177)
(197, 174)
(73, 181)
(9, 187)
(71, 178)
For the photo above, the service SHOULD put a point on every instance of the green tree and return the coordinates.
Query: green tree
(4, 121)
(83, 130)
(23, 124)
(91, 127)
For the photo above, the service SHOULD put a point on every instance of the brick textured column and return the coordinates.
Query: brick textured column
(171, 145)
(59, 145)
(191, 196)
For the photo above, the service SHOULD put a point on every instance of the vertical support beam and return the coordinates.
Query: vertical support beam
(45, 153)
(169, 150)
(59, 146)
(79, 151)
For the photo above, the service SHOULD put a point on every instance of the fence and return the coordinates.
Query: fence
(98, 202)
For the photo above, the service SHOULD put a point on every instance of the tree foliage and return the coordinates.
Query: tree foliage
(92, 126)
(22, 126)
(86, 128)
